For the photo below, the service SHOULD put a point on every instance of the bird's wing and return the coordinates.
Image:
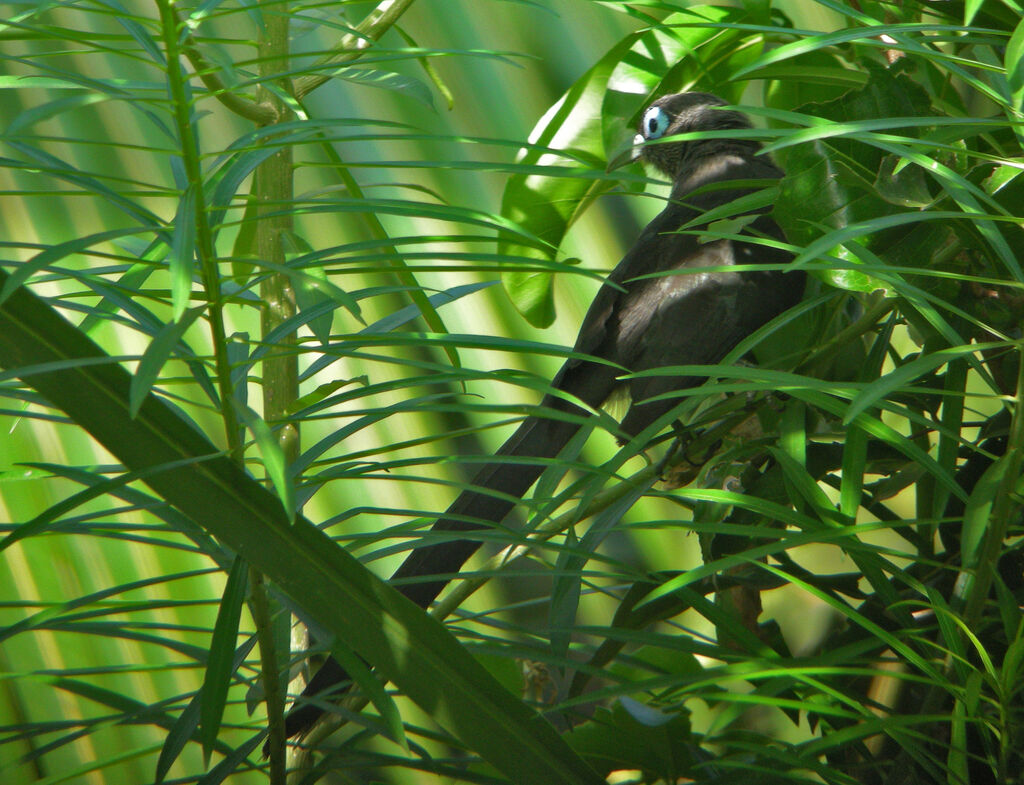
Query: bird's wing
(668, 305)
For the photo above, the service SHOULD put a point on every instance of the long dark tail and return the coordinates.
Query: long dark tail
(496, 489)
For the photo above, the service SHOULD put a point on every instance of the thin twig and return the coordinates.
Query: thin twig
(261, 113)
(352, 46)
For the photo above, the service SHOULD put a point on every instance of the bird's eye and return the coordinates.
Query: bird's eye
(655, 122)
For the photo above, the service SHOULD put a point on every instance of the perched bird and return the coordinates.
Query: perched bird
(637, 323)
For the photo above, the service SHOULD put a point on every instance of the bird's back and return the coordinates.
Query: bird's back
(666, 305)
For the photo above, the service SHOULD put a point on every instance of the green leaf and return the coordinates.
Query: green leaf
(96, 489)
(904, 376)
(405, 644)
(387, 80)
(183, 730)
(1013, 60)
(971, 8)
(274, 461)
(181, 258)
(220, 667)
(832, 183)
(575, 133)
(632, 735)
(156, 355)
(55, 108)
(369, 684)
(313, 289)
(186, 727)
(55, 253)
(978, 512)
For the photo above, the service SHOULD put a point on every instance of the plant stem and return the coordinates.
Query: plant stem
(280, 372)
(204, 246)
(259, 113)
(351, 47)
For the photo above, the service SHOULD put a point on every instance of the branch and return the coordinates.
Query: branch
(259, 113)
(352, 46)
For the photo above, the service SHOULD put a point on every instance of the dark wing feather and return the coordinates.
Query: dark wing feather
(636, 323)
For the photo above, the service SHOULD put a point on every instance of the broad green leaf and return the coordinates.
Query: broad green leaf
(814, 77)
(632, 735)
(832, 184)
(576, 131)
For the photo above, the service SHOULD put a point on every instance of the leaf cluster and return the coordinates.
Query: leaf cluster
(251, 341)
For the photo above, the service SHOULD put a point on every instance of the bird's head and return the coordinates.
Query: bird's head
(679, 114)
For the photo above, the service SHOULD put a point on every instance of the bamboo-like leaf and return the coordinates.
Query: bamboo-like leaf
(156, 354)
(369, 684)
(1014, 64)
(902, 376)
(186, 726)
(874, 110)
(182, 253)
(274, 462)
(59, 106)
(387, 80)
(56, 253)
(220, 665)
(407, 646)
(183, 730)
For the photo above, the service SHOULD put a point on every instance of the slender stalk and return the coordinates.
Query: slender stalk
(259, 113)
(351, 46)
(270, 668)
(274, 188)
(280, 373)
(259, 601)
(204, 247)
(210, 274)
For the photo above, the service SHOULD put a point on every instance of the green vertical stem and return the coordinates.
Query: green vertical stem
(210, 275)
(280, 372)
(204, 246)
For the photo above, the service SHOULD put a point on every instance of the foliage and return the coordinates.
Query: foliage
(228, 224)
